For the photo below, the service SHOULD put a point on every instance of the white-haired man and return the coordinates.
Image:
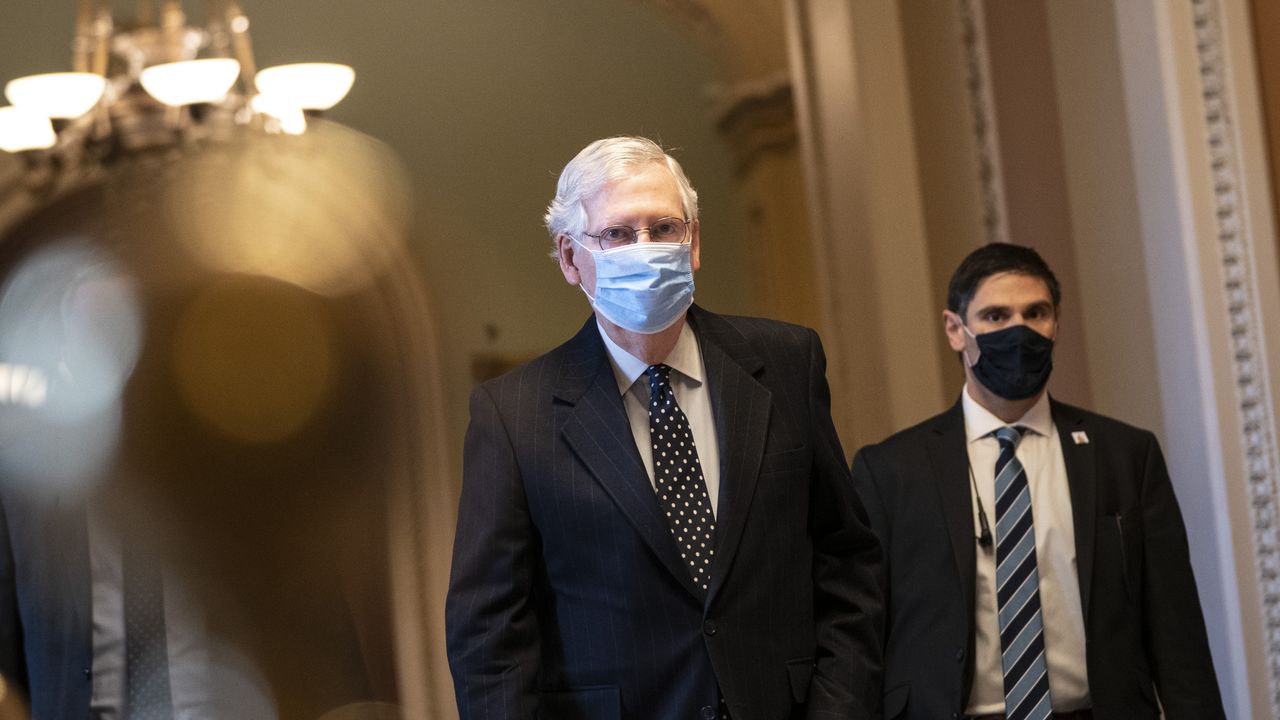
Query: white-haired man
(656, 521)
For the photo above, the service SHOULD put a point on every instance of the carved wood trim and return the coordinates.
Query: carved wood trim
(982, 105)
(1235, 250)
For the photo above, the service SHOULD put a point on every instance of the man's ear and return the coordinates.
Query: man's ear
(696, 242)
(953, 326)
(565, 249)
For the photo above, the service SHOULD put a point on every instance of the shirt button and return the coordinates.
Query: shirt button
(709, 628)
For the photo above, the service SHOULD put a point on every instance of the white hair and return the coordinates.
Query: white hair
(598, 164)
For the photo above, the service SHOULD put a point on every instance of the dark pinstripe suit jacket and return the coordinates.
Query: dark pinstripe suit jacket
(568, 598)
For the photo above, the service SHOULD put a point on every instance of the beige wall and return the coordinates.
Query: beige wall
(1029, 131)
(1111, 299)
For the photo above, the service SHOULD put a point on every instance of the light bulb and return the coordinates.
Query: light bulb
(290, 117)
(22, 129)
(310, 86)
(191, 81)
(57, 95)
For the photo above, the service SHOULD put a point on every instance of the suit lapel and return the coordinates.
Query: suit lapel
(1081, 465)
(741, 406)
(949, 456)
(597, 429)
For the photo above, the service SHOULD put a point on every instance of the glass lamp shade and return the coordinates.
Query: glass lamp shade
(309, 86)
(22, 129)
(191, 81)
(66, 95)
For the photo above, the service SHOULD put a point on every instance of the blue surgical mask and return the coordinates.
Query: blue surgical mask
(646, 287)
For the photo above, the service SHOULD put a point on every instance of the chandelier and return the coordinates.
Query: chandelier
(157, 81)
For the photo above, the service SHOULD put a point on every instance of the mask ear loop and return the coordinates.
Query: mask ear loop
(975, 346)
(580, 286)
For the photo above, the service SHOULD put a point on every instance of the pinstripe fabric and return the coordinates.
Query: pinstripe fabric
(1026, 677)
(568, 597)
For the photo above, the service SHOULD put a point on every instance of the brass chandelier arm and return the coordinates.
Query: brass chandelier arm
(172, 17)
(103, 27)
(82, 46)
(89, 49)
(146, 13)
(173, 27)
(237, 24)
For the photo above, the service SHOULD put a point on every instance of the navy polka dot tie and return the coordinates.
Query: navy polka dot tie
(146, 648)
(681, 488)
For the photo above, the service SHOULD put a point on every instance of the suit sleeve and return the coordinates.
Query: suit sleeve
(869, 492)
(848, 604)
(1176, 639)
(491, 630)
(12, 656)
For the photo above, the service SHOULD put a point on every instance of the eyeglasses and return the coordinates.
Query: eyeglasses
(664, 230)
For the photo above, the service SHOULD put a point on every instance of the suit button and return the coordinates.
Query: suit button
(87, 672)
(708, 713)
(960, 655)
(709, 628)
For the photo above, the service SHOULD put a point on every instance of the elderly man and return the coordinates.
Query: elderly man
(655, 519)
(1036, 557)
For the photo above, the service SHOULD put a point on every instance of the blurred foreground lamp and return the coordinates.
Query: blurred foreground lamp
(157, 81)
(211, 331)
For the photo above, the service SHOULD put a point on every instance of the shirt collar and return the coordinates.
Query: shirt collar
(979, 422)
(685, 358)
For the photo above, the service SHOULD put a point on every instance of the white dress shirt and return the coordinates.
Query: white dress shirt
(207, 679)
(184, 631)
(1040, 452)
(688, 382)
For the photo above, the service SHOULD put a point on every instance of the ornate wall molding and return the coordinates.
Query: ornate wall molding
(756, 117)
(1254, 403)
(982, 105)
(692, 15)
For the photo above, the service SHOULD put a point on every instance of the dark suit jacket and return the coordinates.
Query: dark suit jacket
(46, 614)
(1143, 625)
(46, 622)
(568, 598)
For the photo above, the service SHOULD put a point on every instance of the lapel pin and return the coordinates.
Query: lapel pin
(1080, 437)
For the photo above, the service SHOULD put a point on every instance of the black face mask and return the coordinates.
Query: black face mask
(1013, 363)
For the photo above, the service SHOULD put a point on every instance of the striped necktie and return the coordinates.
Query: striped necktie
(1026, 677)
